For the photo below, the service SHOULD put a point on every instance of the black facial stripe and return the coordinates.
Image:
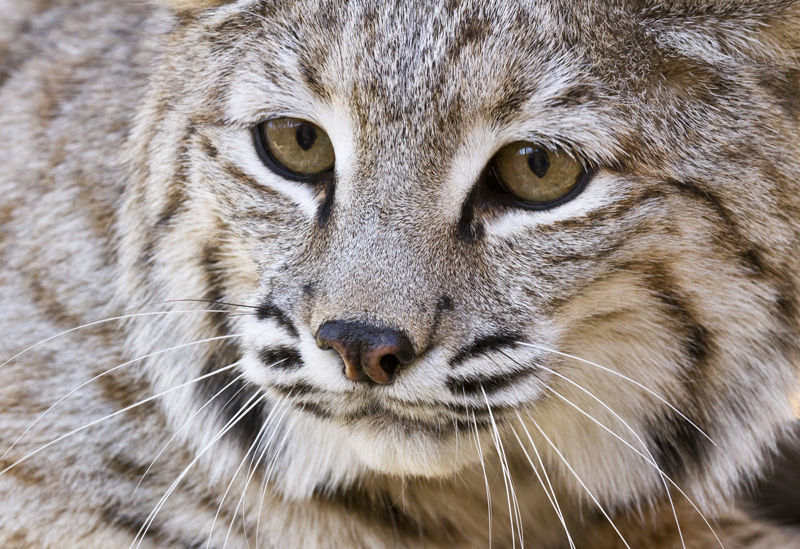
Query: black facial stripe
(477, 410)
(282, 358)
(451, 411)
(378, 508)
(268, 310)
(484, 345)
(697, 339)
(468, 228)
(326, 208)
(133, 522)
(472, 385)
(435, 426)
(749, 254)
(296, 389)
(677, 447)
(315, 409)
(176, 192)
(232, 399)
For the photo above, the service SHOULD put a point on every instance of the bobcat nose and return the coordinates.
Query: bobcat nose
(368, 351)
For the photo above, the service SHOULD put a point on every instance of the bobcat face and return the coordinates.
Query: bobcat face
(404, 302)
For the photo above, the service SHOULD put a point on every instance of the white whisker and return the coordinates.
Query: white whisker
(253, 445)
(625, 423)
(104, 321)
(265, 479)
(272, 463)
(623, 376)
(651, 459)
(118, 412)
(553, 499)
(194, 415)
(110, 370)
(648, 458)
(251, 403)
(510, 493)
(578, 478)
(485, 477)
(271, 419)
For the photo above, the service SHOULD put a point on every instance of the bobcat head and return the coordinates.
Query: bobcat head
(456, 225)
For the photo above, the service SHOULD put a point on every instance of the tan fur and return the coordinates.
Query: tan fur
(191, 5)
(156, 266)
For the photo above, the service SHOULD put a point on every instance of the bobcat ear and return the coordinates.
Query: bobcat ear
(191, 5)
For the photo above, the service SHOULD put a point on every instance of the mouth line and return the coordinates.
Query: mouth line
(440, 420)
(398, 406)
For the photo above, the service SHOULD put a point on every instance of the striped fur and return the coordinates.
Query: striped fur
(131, 188)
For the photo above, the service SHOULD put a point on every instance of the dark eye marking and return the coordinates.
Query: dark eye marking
(269, 310)
(326, 208)
(469, 229)
(484, 345)
(283, 358)
(476, 385)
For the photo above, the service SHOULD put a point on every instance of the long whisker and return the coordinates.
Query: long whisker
(269, 470)
(648, 458)
(211, 301)
(110, 370)
(262, 434)
(485, 477)
(553, 499)
(625, 423)
(274, 461)
(265, 480)
(118, 412)
(252, 469)
(254, 444)
(251, 403)
(510, 493)
(194, 415)
(578, 478)
(623, 376)
(104, 321)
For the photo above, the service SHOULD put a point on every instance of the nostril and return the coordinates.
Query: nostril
(389, 364)
(369, 352)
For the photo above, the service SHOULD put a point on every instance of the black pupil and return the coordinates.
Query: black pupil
(539, 162)
(306, 136)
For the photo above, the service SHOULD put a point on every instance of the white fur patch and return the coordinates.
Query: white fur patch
(242, 150)
(597, 194)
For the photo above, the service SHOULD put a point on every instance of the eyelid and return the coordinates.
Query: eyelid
(517, 188)
(263, 150)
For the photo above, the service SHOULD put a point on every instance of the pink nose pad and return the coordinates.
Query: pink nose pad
(369, 352)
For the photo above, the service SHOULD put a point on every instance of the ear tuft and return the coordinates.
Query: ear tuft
(191, 5)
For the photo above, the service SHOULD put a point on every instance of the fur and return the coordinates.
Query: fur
(661, 304)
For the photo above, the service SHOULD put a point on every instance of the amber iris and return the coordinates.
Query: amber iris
(536, 175)
(297, 146)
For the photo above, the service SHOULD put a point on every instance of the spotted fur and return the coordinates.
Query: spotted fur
(661, 304)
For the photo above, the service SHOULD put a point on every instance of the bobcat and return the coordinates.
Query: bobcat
(396, 274)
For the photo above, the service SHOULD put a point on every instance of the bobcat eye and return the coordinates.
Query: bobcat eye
(295, 148)
(537, 177)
